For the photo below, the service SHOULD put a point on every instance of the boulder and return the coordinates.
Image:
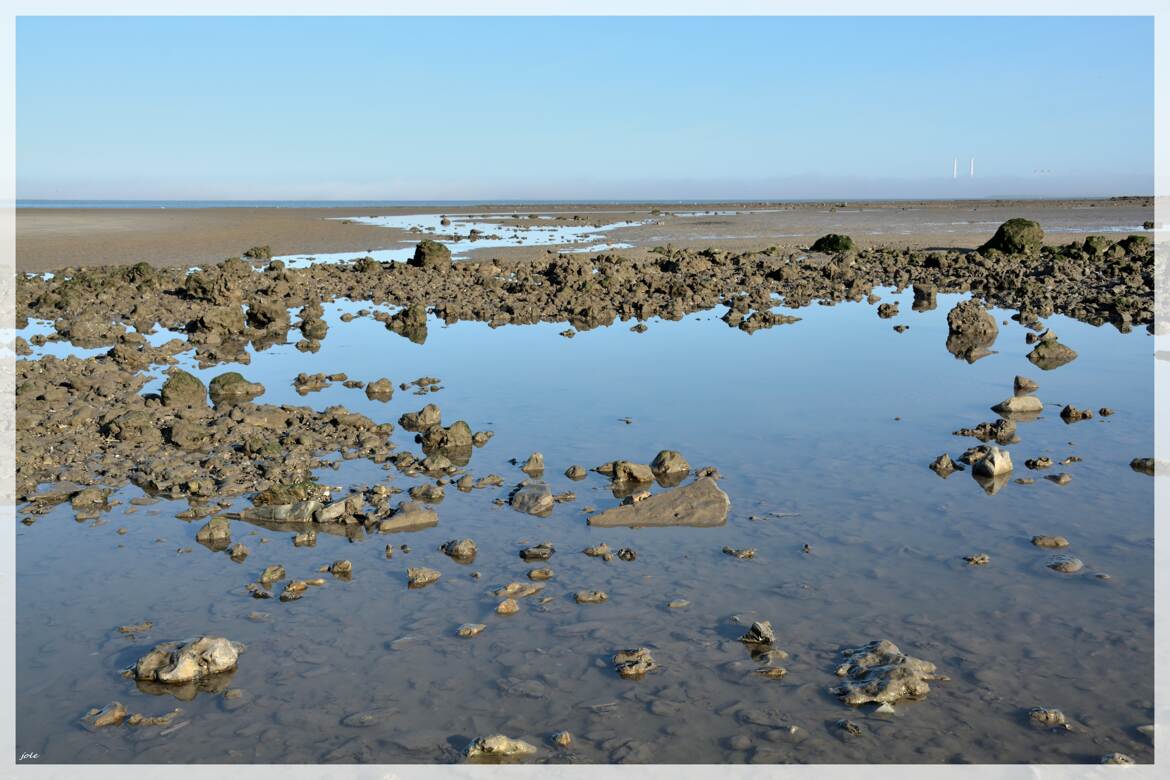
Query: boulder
(997, 462)
(972, 331)
(879, 672)
(178, 663)
(183, 389)
(833, 243)
(430, 254)
(701, 503)
(1016, 236)
(231, 387)
(532, 497)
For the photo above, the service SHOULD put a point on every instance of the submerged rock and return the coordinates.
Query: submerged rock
(701, 503)
(409, 516)
(1065, 564)
(1023, 384)
(741, 553)
(468, 630)
(879, 672)
(532, 497)
(110, 715)
(576, 472)
(177, 663)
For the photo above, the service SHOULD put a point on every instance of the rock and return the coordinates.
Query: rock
(421, 576)
(454, 436)
(1050, 541)
(1105, 411)
(887, 310)
(231, 387)
(342, 568)
(293, 590)
(468, 630)
(597, 550)
(183, 389)
(997, 462)
(943, 465)
(1065, 564)
(760, 633)
(1023, 384)
(1019, 404)
(670, 465)
(634, 664)
(972, 331)
(1051, 354)
(239, 552)
(743, 554)
(460, 549)
(879, 672)
(1043, 462)
(267, 315)
(1071, 414)
(428, 493)
(427, 417)
(216, 530)
(498, 748)
(562, 739)
(1118, 759)
(540, 552)
(833, 243)
(701, 503)
(1144, 465)
(1060, 479)
(540, 574)
(305, 539)
(1002, 431)
(136, 628)
(1047, 717)
(1016, 236)
(532, 497)
(626, 554)
(507, 607)
(978, 559)
(925, 297)
(177, 663)
(380, 390)
(576, 472)
(409, 516)
(534, 466)
(111, 715)
(678, 604)
(625, 471)
(591, 597)
(430, 254)
(518, 590)
(273, 573)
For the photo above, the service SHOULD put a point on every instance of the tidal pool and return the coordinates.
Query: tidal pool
(822, 430)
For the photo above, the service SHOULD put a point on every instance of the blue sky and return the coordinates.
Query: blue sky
(459, 108)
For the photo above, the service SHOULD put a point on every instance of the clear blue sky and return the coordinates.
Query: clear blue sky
(428, 108)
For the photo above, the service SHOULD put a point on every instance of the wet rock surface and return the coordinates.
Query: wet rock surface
(879, 672)
(701, 503)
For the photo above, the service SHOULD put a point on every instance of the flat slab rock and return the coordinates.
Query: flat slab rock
(701, 504)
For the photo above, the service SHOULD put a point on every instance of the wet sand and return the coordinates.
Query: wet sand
(50, 239)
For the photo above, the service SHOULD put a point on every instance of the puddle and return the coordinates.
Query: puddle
(822, 430)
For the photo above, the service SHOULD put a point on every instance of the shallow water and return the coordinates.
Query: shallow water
(493, 234)
(834, 418)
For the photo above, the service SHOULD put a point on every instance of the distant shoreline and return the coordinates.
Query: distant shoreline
(36, 203)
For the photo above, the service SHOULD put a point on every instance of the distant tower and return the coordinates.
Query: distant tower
(972, 174)
(955, 169)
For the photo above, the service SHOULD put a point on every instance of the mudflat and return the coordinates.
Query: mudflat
(49, 239)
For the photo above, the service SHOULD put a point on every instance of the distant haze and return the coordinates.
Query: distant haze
(582, 108)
